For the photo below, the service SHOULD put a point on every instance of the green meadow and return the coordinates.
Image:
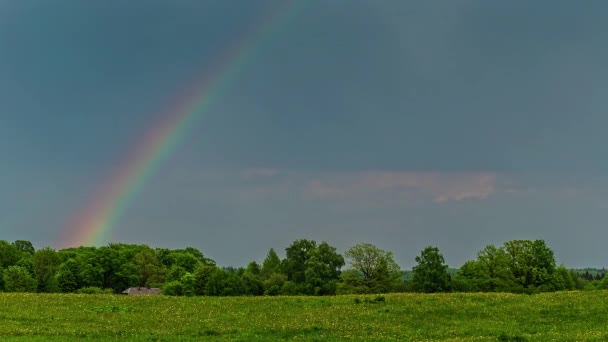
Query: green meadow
(559, 316)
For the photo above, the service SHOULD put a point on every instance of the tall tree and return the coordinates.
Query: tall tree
(91, 269)
(377, 269)
(431, 273)
(201, 277)
(323, 270)
(149, 267)
(68, 276)
(46, 263)
(495, 265)
(109, 259)
(272, 264)
(296, 256)
(531, 262)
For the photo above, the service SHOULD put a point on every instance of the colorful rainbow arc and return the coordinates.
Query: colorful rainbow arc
(96, 222)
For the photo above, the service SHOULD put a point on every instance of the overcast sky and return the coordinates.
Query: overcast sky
(404, 124)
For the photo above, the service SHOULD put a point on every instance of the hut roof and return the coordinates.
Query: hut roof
(137, 291)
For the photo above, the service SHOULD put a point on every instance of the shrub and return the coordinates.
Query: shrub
(18, 279)
(173, 288)
(94, 290)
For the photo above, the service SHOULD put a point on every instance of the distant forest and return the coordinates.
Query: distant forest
(309, 268)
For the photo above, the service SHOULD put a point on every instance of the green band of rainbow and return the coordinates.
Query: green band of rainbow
(94, 225)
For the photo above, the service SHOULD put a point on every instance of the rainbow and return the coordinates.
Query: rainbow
(93, 225)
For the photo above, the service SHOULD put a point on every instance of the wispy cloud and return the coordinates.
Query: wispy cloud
(437, 186)
(319, 189)
(364, 187)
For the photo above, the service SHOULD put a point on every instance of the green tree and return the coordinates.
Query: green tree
(110, 260)
(68, 276)
(9, 254)
(126, 276)
(173, 288)
(201, 277)
(26, 262)
(91, 270)
(188, 284)
(603, 282)
(495, 264)
(175, 273)
(490, 272)
(323, 270)
(377, 268)
(272, 264)
(199, 256)
(254, 268)
(562, 279)
(531, 263)
(431, 272)
(149, 268)
(274, 283)
(352, 283)
(216, 282)
(18, 279)
(472, 277)
(115, 267)
(233, 286)
(24, 247)
(252, 284)
(46, 263)
(296, 256)
(519, 266)
(184, 260)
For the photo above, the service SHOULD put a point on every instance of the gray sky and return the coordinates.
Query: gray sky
(399, 123)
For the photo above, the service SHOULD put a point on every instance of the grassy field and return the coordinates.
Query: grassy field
(565, 316)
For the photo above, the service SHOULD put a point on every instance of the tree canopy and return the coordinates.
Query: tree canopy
(308, 268)
(431, 272)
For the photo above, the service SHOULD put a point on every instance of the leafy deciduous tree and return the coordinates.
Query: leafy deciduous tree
(323, 270)
(377, 268)
(68, 276)
(25, 247)
(18, 279)
(149, 268)
(46, 263)
(531, 263)
(431, 273)
(201, 277)
(9, 254)
(296, 256)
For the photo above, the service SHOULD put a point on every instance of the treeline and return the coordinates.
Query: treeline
(309, 268)
(591, 273)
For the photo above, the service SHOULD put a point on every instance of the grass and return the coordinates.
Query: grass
(563, 316)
